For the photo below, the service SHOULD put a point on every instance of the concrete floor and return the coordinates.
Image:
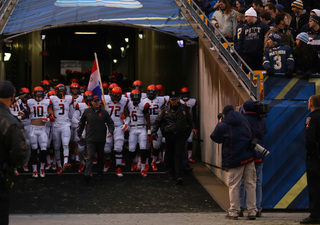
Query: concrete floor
(218, 191)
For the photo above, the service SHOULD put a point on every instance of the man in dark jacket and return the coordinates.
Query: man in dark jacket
(176, 125)
(300, 18)
(237, 157)
(313, 160)
(95, 120)
(13, 149)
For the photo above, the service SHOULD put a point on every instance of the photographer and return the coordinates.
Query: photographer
(237, 157)
(254, 117)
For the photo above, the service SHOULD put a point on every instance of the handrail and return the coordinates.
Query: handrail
(4, 7)
(227, 54)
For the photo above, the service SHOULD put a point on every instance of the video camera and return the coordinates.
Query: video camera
(262, 109)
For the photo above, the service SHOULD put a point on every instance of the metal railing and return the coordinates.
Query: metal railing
(228, 54)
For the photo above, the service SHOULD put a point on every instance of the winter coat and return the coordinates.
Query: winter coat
(235, 137)
(227, 23)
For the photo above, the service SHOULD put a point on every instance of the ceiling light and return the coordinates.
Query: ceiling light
(84, 32)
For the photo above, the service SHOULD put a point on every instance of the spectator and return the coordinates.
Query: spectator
(312, 127)
(301, 17)
(282, 28)
(240, 5)
(266, 18)
(241, 22)
(274, 2)
(314, 12)
(305, 56)
(277, 57)
(280, 9)
(257, 5)
(271, 8)
(207, 6)
(251, 40)
(225, 19)
(259, 129)
(237, 158)
(13, 149)
(314, 33)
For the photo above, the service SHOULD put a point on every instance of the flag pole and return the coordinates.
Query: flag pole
(104, 101)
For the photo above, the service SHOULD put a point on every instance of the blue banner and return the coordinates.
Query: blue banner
(164, 15)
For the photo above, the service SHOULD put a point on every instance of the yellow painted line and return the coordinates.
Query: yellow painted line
(317, 83)
(287, 88)
(292, 193)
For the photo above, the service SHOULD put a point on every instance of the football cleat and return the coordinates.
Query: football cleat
(191, 159)
(106, 166)
(59, 172)
(35, 174)
(81, 168)
(138, 167)
(16, 173)
(54, 167)
(42, 173)
(48, 166)
(143, 173)
(146, 168)
(154, 166)
(159, 161)
(25, 168)
(133, 167)
(95, 160)
(118, 172)
(66, 166)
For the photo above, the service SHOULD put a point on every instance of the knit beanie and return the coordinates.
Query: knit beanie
(251, 12)
(303, 36)
(315, 19)
(298, 4)
(316, 11)
(241, 12)
(276, 38)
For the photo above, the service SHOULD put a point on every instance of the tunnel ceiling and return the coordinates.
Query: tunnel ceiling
(161, 15)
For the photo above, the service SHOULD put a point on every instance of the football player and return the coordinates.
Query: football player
(139, 129)
(80, 107)
(25, 121)
(192, 104)
(75, 93)
(155, 105)
(40, 112)
(61, 127)
(50, 154)
(117, 108)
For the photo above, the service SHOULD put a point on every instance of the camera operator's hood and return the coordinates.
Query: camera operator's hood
(233, 118)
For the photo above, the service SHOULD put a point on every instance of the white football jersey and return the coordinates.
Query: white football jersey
(136, 113)
(38, 109)
(79, 109)
(61, 109)
(14, 109)
(26, 121)
(190, 103)
(73, 106)
(155, 106)
(116, 109)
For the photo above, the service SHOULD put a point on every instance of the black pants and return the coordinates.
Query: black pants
(4, 206)
(174, 155)
(313, 179)
(92, 148)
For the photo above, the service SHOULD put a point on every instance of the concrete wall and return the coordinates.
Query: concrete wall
(217, 88)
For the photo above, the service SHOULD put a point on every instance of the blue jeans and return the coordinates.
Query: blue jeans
(243, 196)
